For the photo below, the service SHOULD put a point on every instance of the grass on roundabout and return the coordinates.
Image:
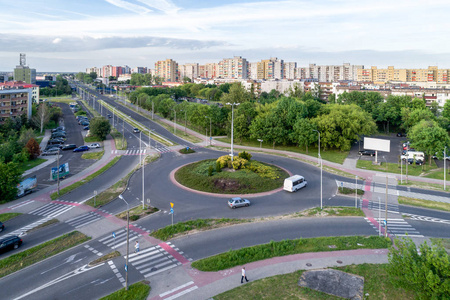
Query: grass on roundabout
(244, 181)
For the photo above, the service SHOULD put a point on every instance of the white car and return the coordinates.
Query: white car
(94, 145)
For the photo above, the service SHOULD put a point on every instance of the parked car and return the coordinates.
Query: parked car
(94, 145)
(58, 135)
(238, 202)
(84, 123)
(10, 243)
(56, 141)
(86, 127)
(136, 130)
(418, 161)
(400, 134)
(109, 116)
(69, 147)
(2, 227)
(367, 152)
(81, 149)
(52, 151)
(60, 128)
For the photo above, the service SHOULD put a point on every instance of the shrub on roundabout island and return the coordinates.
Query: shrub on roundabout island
(240, 177)
(186, 150)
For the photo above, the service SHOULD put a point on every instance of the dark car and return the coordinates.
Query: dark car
(2, 227)
(81, 149)
(136, 130)
(56, 141)
(58, 135)
(86, 127)
(69, 147)
(400, 134)
(367, 152)
(10, 243)
(60, 128)
(109, 116)
(418, 162)
(84, 123)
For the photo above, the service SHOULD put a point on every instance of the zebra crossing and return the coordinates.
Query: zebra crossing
(83, 220)
(395, 227)
(427, 219)
(22, 231)
(152, 261)
(119, 239)
(51, 210)
(158, 148)
(375, 206)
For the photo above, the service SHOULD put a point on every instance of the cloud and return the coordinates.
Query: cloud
(164, 5)
(139, 9)
(18, 43)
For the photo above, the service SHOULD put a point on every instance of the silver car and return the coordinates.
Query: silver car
(238, 202)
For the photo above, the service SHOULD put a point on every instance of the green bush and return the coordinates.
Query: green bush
(186, 151)
(427, 273)
(134, 217)
(245, 155)
(210, 170)
(218, 168)
(349, 191)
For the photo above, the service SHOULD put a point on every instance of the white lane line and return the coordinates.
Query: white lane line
(176, 289)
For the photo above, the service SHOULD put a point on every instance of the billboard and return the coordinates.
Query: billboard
(377, 144)
(63, 171)
(26, 186)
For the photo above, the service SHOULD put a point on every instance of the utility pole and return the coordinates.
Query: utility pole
(57, 168)
(386, 209)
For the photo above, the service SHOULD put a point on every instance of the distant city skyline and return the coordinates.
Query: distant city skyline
(66, 36)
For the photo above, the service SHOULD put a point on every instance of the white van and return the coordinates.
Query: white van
(418, 155)
(294, 183)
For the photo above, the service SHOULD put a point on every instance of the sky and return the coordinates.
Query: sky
(72, 35)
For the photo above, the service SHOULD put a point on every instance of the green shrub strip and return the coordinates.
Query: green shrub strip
(8, 216)
(243, 256)
(77, 184)
(28, 257)
(168, 232)
(137, 291)
(349, 191)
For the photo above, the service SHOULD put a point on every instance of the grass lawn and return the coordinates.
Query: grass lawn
(8, 216)
(241, 181)
(424, 203)
(137, 291)
(104, 258)
(246, 255)
(77, 184)
(30, 164)
(33, 255)
(413, 170)
(93, 155)
(424, 185)
(187, 227)
(137, 212)
(335, 156)
(376, 284)
(180, 131)
(439, 174)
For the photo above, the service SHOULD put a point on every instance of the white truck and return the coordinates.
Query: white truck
(294, 183)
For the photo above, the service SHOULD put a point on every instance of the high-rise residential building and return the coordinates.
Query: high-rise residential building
(14, 102)
(167, 70)
(140, 70)
(233, 68)
(107, 71)
(190, 71)
(329, 73)
(209, 70)
(289, 70)
(23, 73)
(253, 70)
(431, 74)
(95, 70)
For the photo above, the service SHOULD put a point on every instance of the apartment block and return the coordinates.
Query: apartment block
(190, 70)
(167, 70)
(380, 76)
(95, 70)
(140, 70)
(14, 102)
(233, 68)
(289, 70)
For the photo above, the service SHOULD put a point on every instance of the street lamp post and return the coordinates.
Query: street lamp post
(128, 241)
(386, 208)
(321, 169)
(185, 121)
(445, 162)
(232, 126)
(210, 127)
(57, 167)
(114, 109)
(175, 123)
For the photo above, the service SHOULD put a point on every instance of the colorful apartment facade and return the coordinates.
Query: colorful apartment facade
(167, 70)
(14, 102)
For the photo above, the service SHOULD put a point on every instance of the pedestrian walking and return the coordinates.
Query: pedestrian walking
(136, 247)
(243, 275)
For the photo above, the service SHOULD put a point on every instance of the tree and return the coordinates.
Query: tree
(42, 117)
(100, 127)
(303, 134)
(427, 273)
(9, 179)
(446, 110)
(243, 117)
(25, 136)
(342, 124)
(429, 137)
(186, 79)
(237, 94)
(412, 117)
(33, 148)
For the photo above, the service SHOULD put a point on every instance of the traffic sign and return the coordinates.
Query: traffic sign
(126, 268)
(342, 184)
(210, 138)
(171, 211)
(171, 204)
(114, 234)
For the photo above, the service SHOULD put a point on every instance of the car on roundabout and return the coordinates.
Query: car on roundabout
(81, 149)
(238, 202)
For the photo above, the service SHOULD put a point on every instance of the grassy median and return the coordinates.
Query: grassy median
(243, 256)
(33, 255)
(77, 184)
(8, 216)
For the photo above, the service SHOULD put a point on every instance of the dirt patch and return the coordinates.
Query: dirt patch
(228, 185)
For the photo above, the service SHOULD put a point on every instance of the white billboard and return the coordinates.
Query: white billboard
(377, 144)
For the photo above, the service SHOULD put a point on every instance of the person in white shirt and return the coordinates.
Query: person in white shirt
(243, 275)
(136, 247)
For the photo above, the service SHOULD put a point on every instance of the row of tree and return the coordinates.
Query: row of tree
(61, 87)
(296, 118)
